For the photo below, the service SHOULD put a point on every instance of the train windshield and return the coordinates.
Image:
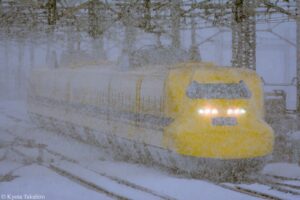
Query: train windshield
(218, 90)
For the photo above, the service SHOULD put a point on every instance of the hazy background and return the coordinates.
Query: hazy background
(24, 48)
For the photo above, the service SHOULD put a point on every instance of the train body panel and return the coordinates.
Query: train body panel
(194, 134)
(112, 102)
(164, 109)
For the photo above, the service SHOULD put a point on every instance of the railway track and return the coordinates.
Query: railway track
(250, 192)
(86, 183)
(283, 178)
(271, 187)
(263, 194)
(276, 187)
(109, 185)
(61, 164)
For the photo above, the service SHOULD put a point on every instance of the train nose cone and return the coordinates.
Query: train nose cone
(223, 142)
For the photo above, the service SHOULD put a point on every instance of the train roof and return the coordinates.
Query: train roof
(205, 67)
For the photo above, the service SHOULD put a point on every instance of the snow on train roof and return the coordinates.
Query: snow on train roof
(109, 67)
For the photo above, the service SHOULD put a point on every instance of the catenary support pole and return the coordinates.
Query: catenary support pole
(298, 56)
(244, 34)
(51, 12)
(175, 17)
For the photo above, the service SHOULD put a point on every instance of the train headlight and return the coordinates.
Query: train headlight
(236, 111)
(208, 111)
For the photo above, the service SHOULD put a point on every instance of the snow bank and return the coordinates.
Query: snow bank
(283, 169)
(37, 180)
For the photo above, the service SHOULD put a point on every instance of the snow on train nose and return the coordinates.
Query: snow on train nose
(221, 138)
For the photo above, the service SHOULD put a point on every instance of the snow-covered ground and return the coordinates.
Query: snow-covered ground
(40, 164)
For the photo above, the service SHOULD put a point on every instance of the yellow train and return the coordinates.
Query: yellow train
(191, 117)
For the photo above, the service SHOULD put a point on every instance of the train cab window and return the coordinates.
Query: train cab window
(218, 90)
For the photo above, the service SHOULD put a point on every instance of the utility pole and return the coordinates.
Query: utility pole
(194, 49)
(244, 34)
(51, 12)
(1, 6)
(298, 55)
(128, 48)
